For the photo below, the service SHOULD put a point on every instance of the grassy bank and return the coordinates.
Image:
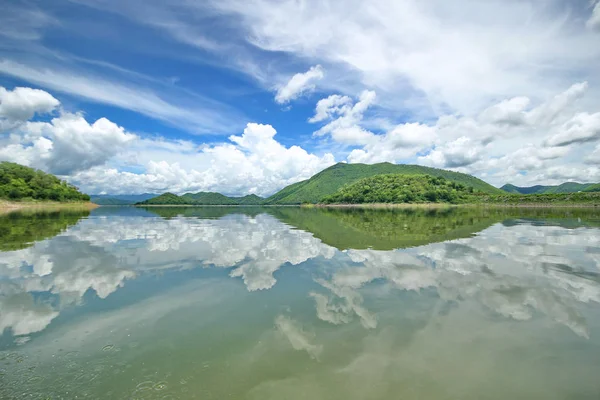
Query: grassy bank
(8, 206)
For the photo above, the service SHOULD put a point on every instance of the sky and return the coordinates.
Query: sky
(249, 96)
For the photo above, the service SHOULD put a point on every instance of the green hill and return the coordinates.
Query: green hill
(567, 187)
(328, 181)
(593, 188)
(392, 188)
(18, 182)
(203, 199)
(249, 200)
(165, 199)
(208, 198)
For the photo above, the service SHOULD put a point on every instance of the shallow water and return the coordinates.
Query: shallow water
(291, 303)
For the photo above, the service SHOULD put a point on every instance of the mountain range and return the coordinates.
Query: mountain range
(120, 199)
(567, 187)
(325, 183)
(331, 180)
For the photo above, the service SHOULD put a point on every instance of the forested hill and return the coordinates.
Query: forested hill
(325, 183)
(18, 182)
(203, 199)
(330, 180)
(394, 188)
(567, 187)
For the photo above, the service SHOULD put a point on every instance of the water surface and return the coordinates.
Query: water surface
(291, 303)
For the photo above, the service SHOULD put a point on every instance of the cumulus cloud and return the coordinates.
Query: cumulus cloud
(22, 103)
(582, 128)
(330, 106)
(299, 84)
(506, 140)
(458, 153)
(253, 162)
(345, 118)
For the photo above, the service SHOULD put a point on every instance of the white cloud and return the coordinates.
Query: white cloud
(345, 128)
(510, 140)
(64, 145)
(333, 105)
(253, 162)
(429, 56)
(299, 84)
(594, 21)
(582, 128)
(458, 153)
(21, 103)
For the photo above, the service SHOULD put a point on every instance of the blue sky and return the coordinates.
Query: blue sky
(249, 96)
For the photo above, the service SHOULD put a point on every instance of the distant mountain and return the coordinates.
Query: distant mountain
(328, 181)
(325, 183)
(593, 188)
(567, 187)
(203, 199)
(120, 199)
(165, 199)
(249, 200)
(208, 199)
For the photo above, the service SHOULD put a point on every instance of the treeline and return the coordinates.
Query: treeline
(18, 182)
(393, 188)
(202, 199)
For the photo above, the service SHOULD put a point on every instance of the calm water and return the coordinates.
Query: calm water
(290, 303)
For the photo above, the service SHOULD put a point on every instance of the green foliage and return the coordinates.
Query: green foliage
(567, 187)
(328, 181)
(590, 198)
(593, 188)
(19, 230)
(392, 188)
(165, 199)
(208, 198)
(249, 200)
(18, 182)
(203, 199)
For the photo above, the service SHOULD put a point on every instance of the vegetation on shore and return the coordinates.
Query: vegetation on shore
(567, 187)
(392, 188)
(20, 183)
(555, 199)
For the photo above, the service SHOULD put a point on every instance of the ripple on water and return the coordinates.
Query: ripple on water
(144, 386)
(108, 347)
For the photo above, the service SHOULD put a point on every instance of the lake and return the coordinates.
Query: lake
(296, 303)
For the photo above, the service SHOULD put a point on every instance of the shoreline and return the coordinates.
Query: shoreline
(10, 206)
(378, 205)
(208, 205)
(447, 205)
